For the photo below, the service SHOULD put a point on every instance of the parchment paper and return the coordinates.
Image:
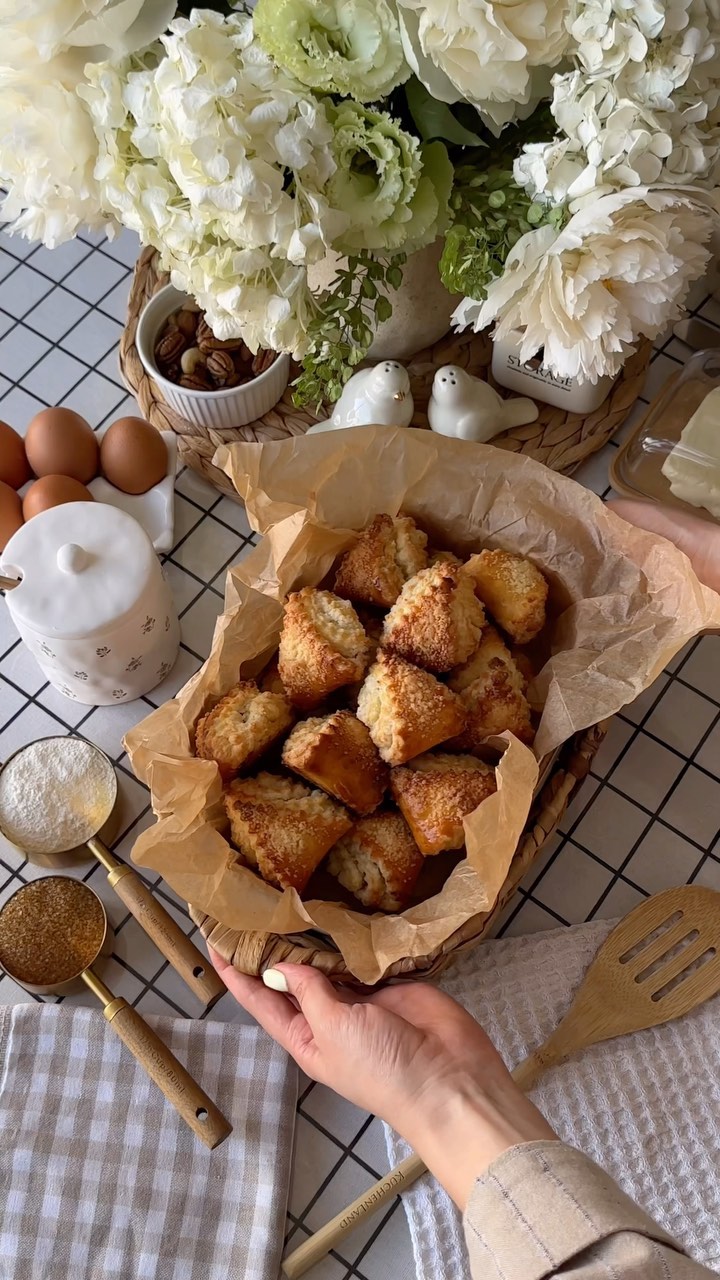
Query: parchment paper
(622, 603)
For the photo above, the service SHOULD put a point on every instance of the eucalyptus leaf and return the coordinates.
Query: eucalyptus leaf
(434, 120)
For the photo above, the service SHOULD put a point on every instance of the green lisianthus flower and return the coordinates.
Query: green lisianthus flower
(351, 47)
(395, 191)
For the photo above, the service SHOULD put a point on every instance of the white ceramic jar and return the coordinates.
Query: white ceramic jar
(531, 378)
(92, 606)
(217, 410)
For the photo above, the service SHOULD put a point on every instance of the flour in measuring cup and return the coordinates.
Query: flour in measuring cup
(55, 794)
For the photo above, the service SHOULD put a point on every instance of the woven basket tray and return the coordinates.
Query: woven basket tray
(254, 952)
(561, 440)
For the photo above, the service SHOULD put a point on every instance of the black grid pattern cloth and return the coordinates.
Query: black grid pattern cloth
(100, 1179)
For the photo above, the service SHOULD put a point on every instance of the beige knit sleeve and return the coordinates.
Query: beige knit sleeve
(543, 1209)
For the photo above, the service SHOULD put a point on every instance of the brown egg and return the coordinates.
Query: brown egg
(14, 466)
(53, 491)
(133, 455)
(11, 513)
(59, 442)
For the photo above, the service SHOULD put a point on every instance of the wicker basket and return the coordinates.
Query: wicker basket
(561, 440)
(254, 952)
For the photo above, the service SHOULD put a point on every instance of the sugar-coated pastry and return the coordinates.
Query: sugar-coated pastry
(492, 691)
(512, 589)
(283, 827)
(406, 710)
(442, 557)
(336, 752)
(378, 861)
(436, 620)
(322, 646)
(241, 727)
(385, 555)
(435, 792)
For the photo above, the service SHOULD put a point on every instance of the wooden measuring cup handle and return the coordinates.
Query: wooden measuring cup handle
(197, 1110)
(194, 968)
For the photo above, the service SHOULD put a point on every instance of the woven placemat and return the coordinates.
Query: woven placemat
(559, 439)
(254, 952)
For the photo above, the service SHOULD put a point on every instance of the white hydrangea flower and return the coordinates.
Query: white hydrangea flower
(482, 51)
(619, 269)
(611, 33)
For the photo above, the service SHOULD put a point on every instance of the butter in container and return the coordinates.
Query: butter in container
(673, 456)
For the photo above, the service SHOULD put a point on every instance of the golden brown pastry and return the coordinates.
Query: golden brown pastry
(336, 752)
(385, 555)
(492, 691)
(378, 861)
(513, 591)
(241, 727)
(406, 710)
(269, 679)
(436, 620)
(442, 557)
(322, 646)
(283, 827)
(435, 792)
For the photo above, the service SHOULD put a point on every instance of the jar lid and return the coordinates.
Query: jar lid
(84, 567)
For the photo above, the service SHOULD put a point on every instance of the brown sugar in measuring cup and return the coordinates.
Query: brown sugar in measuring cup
(58, 806)
(52, 932)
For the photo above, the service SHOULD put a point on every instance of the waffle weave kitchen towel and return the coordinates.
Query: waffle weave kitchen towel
(100, 1179)
(646, 1107)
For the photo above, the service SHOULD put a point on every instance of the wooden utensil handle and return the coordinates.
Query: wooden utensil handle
(300, 1260)
(197, 1110)
(194, 968)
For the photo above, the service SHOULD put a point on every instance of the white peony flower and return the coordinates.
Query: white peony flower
(48, 152)
(101, 28)
(619, 269)
(482, 51)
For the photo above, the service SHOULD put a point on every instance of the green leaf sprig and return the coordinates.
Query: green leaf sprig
(490, 214)
(346, 322)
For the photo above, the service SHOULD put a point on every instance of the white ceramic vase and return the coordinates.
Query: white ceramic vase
(422, 306)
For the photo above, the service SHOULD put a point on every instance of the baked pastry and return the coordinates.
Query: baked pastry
(378, 861)
(442, 557)
(269, 679)
(241, 727)
(435, 792)
(513, 590)
(322, 646)
(336, 753)
(283, 827)
(385, 555)
(436, 620)
(406, 710)
(492, 691)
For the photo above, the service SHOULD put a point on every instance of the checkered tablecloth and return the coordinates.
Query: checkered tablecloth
(100, 1179)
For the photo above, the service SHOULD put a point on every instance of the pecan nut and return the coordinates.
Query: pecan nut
(220, 366)
(187, 321)
(170, 345)
(262, 361)
(195, 381)
(207, 341)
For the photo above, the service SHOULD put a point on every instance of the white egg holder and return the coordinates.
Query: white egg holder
(154, 510)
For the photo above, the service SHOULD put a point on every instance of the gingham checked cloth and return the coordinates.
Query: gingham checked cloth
(646, 1107)
(99, 1177)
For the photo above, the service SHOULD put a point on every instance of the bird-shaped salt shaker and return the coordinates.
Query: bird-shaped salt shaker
(470, 409)
(379, 396)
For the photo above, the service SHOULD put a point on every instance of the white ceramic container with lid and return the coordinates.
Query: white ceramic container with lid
(92, 606)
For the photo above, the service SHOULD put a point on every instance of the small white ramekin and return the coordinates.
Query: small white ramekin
(225, 408)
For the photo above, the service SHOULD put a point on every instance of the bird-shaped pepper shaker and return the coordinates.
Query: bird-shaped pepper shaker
(377, 396)
(470, 409)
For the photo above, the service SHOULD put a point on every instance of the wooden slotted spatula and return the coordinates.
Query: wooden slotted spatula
(661, 961)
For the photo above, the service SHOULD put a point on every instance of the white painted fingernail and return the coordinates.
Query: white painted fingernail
(275, 980)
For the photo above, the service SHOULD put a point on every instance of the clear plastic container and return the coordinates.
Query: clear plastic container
(673, 456)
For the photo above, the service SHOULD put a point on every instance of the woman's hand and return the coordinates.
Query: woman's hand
(409, 1054)
(699, 539)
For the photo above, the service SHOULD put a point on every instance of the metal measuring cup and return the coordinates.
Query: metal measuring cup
(197, 1110)
(182, 954)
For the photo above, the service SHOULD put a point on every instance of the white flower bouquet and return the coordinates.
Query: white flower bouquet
(565, 151)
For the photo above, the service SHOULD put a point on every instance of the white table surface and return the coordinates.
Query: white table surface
(646, 818)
